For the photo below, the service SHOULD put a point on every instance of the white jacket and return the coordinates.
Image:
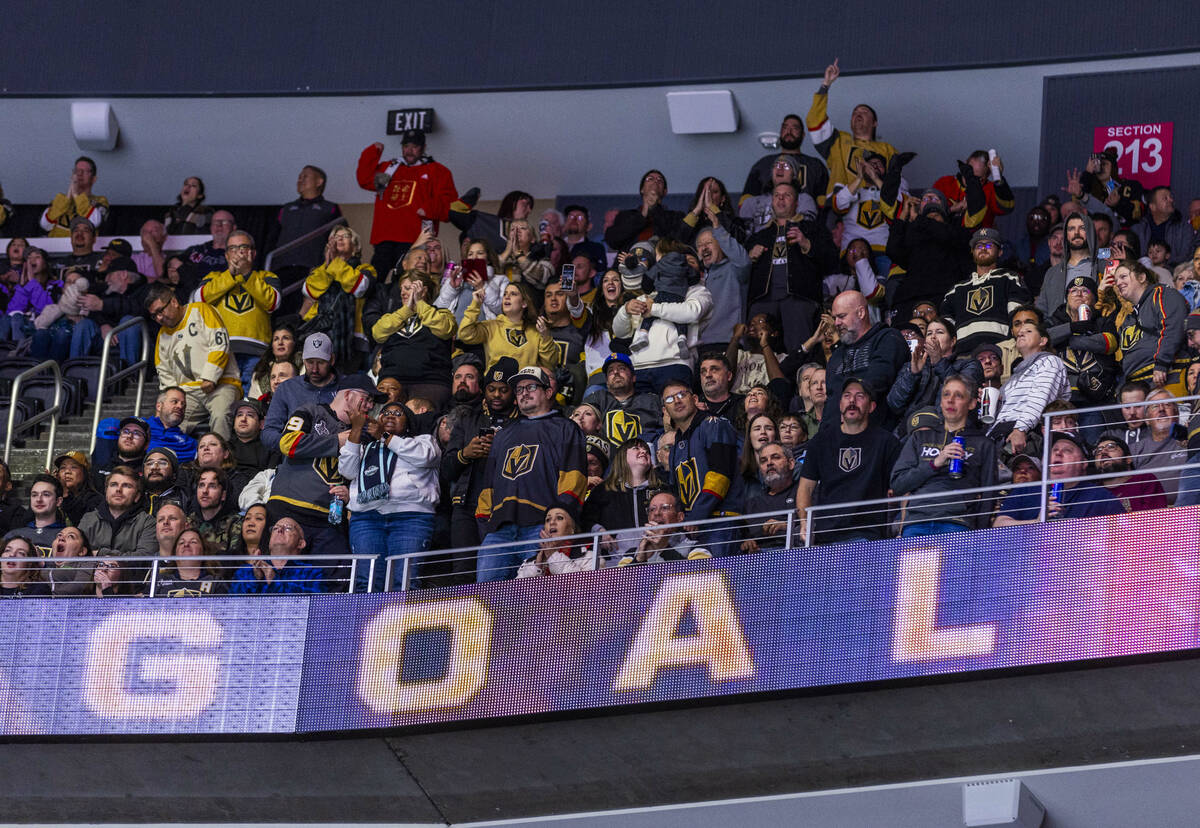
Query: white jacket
(414, 483)
(667, 346)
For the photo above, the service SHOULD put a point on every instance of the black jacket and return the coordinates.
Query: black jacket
(629, 225)
(464, 476)
(934, 254)
(876, 358)
(804, 271)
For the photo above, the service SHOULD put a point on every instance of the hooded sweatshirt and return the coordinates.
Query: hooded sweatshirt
(1054, 284)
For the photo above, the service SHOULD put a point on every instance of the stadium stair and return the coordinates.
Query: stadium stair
(28, 455)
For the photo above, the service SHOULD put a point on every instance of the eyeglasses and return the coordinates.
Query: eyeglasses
(986, 245)
(233, 248)
(670, 398)
(132, 432)
(157, 464)
(162, 309)
(284, 528)
(526, 388)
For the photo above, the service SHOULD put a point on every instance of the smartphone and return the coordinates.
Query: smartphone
(487, 432)
(426, 226)
(912, 345)
(474, 267)
(568, 278)
(1104, 253)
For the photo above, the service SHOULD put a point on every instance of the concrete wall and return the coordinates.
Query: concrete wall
(249, 150)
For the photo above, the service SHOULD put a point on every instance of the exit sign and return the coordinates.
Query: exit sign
(398, 120)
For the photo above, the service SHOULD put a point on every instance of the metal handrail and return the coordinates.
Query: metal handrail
(1046, 418)
(155, 562)
(139, 366)
(50, 413)
(299, 240)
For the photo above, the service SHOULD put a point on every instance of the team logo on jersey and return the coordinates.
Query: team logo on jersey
(399, 193)
(980, 300)
(327, 469)
(239, 301)
(188, 592)
(854, 160)
(801, 178)
(622, 426)
(1129, 335)
(516, 338)
(410, 326)
(849, 459)
(562, 351)
(869, 215)
(518, 461)
(688, 479)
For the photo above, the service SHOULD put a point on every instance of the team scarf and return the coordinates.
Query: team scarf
(375, 472)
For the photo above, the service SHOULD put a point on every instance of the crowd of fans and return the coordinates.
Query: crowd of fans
(829, 337)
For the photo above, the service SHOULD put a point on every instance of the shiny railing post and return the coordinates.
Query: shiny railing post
(353, 574)
(596, 551)
(139, 366)
(1045, 481)
(808, 527)
(406, 574)
(371, 576)
(787, 538)
(153, 577)
(388, 568)
(299, 240)
(52, 413)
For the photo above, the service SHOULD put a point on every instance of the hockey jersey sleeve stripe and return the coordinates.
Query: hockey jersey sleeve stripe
(717, 484)
(572, 483)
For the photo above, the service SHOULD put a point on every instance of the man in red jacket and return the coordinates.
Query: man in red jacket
(408, 191)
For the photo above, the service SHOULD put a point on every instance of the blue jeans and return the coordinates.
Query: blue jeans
(653, 380)
(51, 343)
(931, 527)
(500, 565)
(246, 365)
(1189, 484)
(85, 340)
(383, 534)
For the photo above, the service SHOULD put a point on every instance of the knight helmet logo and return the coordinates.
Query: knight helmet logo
(518, 461)
(849, 459)
(622, 425)
(689, 482)
(980, 300)
(515, 338)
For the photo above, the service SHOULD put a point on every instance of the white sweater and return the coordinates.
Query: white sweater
(414, 483)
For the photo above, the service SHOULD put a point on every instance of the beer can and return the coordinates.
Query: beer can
(1085, 313)
(989, 404)
(1056, 492)
(956, 464)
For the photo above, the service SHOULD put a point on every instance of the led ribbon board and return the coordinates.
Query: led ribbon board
(806, 618)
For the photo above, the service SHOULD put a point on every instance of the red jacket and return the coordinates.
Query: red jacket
(426, 184)
(997, 200)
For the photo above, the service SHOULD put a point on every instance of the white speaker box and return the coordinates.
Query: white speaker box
(700, 112)
(94, 124)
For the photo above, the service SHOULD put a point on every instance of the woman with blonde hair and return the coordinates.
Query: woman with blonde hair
(521, 262)
(342, 274)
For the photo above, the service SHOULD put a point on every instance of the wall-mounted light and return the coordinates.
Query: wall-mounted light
(1001, 802)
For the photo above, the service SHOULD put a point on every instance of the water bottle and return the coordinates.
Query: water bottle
(956, 463)
(336, 509)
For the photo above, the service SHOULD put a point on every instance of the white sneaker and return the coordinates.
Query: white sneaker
(640, 340)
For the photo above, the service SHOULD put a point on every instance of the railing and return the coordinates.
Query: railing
(729, 534)
(296, 242)
(139, 367)
(50, 413)
(1095, 409)
(61, 245)
(154, 568)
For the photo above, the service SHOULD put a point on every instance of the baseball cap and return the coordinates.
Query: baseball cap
(360, 382)
(986, 234)
(530, 372)
(318, 346)
(1071, 436)
(862, 384)
(78, 220)
(137, 421)
(1016, 458)
(502, 370)
(252, 404)
(987, 348)
(122, 263)
(76, 456)
(621, 358)
(413, 136)
(121, 246)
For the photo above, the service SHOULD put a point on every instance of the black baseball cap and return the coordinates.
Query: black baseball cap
(361, 382)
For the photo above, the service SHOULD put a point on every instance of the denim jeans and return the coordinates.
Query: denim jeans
(246, 365)
(1189, 484)
(49, 343)
(931, 527)
(85, 340)
(500, 565)
(388, 533)
(653, 380)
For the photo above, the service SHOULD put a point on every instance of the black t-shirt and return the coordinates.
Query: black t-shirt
(850, 468)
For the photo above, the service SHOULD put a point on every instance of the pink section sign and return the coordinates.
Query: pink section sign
(1143, 150)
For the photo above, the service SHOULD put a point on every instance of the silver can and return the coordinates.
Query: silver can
(989, 404)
